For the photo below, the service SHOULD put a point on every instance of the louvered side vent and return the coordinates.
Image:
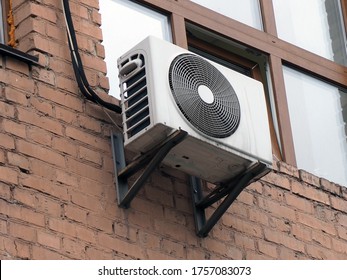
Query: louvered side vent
(134, 95)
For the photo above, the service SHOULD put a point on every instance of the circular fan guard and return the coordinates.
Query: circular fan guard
(219, 118)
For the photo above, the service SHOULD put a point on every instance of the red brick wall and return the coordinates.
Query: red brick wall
(57, 197)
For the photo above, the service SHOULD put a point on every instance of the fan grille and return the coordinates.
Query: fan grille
(218, 118)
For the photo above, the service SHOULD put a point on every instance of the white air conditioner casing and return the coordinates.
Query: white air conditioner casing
(150, 113)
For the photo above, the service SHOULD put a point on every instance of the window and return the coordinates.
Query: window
(318, 113)
(315, 25)
(130, 23)
(2, 22)
(245, 11)
(273, 38)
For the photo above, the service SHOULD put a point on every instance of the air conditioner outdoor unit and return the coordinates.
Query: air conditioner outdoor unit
(165, 88)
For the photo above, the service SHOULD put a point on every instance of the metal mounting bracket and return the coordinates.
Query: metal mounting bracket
(229, 190)
(150, 160)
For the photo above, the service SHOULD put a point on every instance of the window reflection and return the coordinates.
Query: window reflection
(2, 35)
(245, 11)
(315, 25)
(318, 114)
(124, 24)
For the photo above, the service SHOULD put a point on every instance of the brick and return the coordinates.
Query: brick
(288, 169)
(100, 222)
(17, 248)
(3, 226)
(42, 106)
(2, 156)
(18, 81)
(46, 186)
(16, 96)
(28, 25)
(342, 219)
(252, 255)
(244, 242)
(125, 231)
(66, 115)
(299, 203)
(44, 154)
(55, 32)
(141, 220)
(74, 248)
(279, 224)
(75, 213)
(342, 232)
(17, 211)
(285, 240)
(60, 66)
(62, 226)
(89, 123)
(173, 248)
(96, 254)
(88, 138)
(24, 196)
(177, 232)
(240, 225)
(91, 187)
(315, 223)
(5, 191)
(246, 198)
(89, 155)
(120, 246)
(268, 248)
(43, 12)
(273, 192)
(27, 233)
(339, 203)
(46, 123)
(321, 238)
(149, 240)
(276, 208)
(289, 254)
(258, 216)
(85, 234)
(6, 110)
(277, 179)
(48, 239)
(67, 84)
(60, 97)
(172, 215)
(301, 233)
(44, 75)
(310, 192)
(309, 178)
(14, 128)
(90, 29)
(66, 178)
(88, 171)
(157, 195)
(7, 141)
(16, 65)
(86, 201)
(39, 136)
(8, 175)
(49, 205)
(41, 253)
(340, 246)
(65, 146)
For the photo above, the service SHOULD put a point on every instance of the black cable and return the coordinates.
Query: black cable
(81, 79)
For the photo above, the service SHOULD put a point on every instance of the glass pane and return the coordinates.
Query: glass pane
(315, 25)
(245, 11)
(318, 114)
(124, 24)
(2, 35)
